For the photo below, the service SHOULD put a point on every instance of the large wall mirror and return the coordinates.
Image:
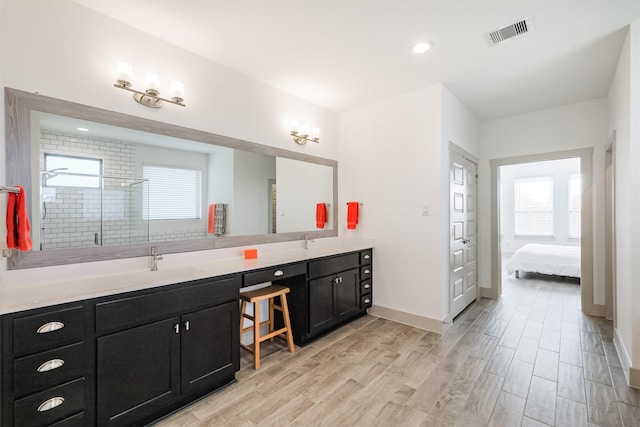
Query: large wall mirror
(105, 185)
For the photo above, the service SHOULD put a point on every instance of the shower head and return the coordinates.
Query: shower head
(47, 175)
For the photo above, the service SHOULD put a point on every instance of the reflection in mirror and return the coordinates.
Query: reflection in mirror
(102, 185)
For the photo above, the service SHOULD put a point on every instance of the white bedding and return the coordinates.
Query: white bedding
(546, 259)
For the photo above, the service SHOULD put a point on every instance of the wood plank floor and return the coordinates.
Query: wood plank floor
(531, 359)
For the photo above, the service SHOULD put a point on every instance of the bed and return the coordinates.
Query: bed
(554, 260)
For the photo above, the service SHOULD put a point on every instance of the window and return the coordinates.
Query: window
(534, 206)
(575, 203)
(88, 170)
(172, 193)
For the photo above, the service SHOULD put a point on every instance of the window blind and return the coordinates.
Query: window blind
(172, 193)
(534, 206)
(575, 205)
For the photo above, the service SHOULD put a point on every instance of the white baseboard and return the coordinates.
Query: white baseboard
(488, 293)
(410, 319)
(622, 355)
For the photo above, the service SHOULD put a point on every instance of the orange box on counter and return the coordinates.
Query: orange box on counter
(250, 253)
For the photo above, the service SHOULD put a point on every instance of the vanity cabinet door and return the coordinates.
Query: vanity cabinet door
(347, 294)
(321, 299)
(138, 372)
(210, 347)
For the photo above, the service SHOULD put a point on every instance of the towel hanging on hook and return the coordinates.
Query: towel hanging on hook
(18, 228)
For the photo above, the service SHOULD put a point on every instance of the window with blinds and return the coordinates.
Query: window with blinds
(172, 193)
(534, 206)
(575, 203)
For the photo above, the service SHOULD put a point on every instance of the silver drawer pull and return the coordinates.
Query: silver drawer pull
(278, 273)
(367, 257)
(367, 286)
(49, 404)
(50, 365)
(367, 301)
(50, 327)
(367, 272)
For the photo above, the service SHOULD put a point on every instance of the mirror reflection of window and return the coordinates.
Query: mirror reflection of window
(172, 193)
(71, 171)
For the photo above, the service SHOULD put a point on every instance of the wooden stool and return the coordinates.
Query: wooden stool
(254, 297)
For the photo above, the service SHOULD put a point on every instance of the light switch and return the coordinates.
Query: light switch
(424, 210)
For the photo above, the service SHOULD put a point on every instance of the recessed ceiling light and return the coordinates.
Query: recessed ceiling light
(83, 129)
(422, 47)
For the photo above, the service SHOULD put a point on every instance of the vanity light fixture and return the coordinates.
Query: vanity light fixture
(151, 96)
(303, 134)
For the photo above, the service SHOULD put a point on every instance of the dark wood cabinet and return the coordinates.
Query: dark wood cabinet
(321, 309)
(134, 357)
(210, 347)
(335, 294)
(148, 370)
(138, 372)
(347, 294)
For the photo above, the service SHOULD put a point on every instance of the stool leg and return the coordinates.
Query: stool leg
(256, 335)
(287, 321)
(243, 308)
(271, 317)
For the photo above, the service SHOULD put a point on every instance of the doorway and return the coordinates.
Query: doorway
(586, 222)
(463, 289)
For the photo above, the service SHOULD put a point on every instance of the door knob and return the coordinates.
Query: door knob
(465, 241)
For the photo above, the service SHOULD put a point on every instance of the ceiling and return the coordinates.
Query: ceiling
(344, 54)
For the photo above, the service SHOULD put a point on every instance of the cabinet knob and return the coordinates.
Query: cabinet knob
(278, 273)
(186, 325)
(49, 404)
(367, 286)
(367, 271)
(50, 365)
(50, 327)
(176, 328)
(367, 257)
(367, 301)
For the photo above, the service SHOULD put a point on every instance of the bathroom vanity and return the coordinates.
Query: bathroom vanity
(131, 356)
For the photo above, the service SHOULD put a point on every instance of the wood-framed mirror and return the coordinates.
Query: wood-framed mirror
(105, 185)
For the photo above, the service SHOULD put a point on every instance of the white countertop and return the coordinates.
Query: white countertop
(33, 288)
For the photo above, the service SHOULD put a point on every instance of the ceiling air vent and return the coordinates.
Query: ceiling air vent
(498, 36)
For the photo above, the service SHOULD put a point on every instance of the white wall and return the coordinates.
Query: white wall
(560, 171)
(300, 186)
(394, 159)
(562, 128)
(251, 192)
(64, 50)
(623, 118)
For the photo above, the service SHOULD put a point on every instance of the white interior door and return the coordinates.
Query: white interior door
(463, 241)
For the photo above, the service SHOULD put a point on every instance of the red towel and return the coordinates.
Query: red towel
(352, 215)
(321, 215)
(211, 219)
(18, 228)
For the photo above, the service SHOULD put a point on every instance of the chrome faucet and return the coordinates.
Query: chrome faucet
(155, 258)
(306, 241)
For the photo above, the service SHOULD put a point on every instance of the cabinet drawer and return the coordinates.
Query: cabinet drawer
(73, 421)
(50, 405)
(365, 272)
(327, 266)
(366, 301)
(47, 369)
(281, 272)
(365, 287)
(48, 330)
(119, 314)
(366, 256)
